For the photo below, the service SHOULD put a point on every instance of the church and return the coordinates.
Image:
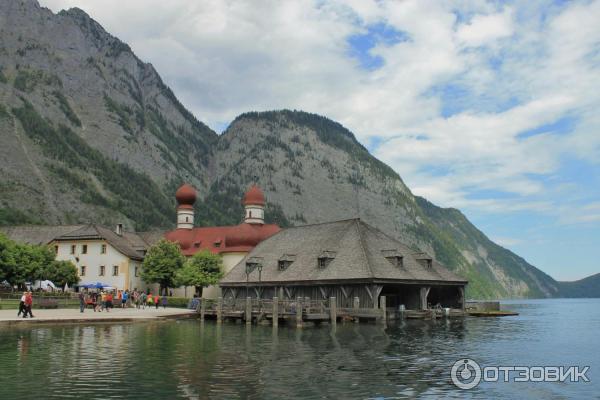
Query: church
(233, 243)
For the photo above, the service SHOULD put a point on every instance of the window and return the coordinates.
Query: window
(136, 271)
(55, 249)
(84, 249)
(396, 261)
(103, 249)
(324, 262)
(115, 270)
(218, 244)
(72, 249)
(283, 264)
(325, 258)
(82, 270)
(285, 261)
(102, 270)
(429, 263)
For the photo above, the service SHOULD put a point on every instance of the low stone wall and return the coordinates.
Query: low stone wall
(483, 305)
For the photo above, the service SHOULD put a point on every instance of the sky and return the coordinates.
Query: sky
(488, 107)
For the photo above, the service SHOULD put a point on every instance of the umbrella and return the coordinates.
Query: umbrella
(97, 285)
(66, 288)
(47, 284)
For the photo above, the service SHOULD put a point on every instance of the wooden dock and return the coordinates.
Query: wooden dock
(303, 310)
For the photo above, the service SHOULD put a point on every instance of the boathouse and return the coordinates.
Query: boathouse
(349, 260)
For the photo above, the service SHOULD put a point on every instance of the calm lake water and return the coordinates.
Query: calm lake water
(190, 360)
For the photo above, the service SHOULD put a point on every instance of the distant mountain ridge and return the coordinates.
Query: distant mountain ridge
(586, 287)
(91, 134)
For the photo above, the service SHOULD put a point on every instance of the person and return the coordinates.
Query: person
(143, 300)
(124, 298)
(28, 304)
(136, 299)
(22, 305)
(103, 300)
(164, 301)
(109, 301)
(150, 300)
(81, 301)
(94, 297)
(156, 301)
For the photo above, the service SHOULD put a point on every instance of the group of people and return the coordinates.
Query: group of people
(143, 300)
(25, 305)
(105, 300)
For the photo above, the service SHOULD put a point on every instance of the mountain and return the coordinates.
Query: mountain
(586, 287)
(89, 130)
(92, 134)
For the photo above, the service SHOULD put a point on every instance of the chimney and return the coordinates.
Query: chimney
(119, 229)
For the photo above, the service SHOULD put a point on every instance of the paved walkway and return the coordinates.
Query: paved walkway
(9, 317)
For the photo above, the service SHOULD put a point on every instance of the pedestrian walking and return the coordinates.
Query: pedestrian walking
(124, 298)
(81, 301)
(28, 305)
(22, 305)
(156, 301)
(143, 300)
(150, 300)
(103, 300)
(109, 301)
(164, 301)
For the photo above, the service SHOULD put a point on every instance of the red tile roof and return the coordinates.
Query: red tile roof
(221, 239)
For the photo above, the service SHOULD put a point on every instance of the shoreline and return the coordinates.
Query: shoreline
(8, 318)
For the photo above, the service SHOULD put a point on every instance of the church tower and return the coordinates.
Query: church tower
(186, 197)
(254, 204)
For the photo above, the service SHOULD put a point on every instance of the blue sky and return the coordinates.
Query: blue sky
(488, 107)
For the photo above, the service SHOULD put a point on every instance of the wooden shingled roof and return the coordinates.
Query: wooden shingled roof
(355, 251)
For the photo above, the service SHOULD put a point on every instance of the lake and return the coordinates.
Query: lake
(193, 360)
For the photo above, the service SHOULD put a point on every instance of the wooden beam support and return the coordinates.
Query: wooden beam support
(248, 310)
(275, 311)
(333, 310)
(220, 309)
(299, 312)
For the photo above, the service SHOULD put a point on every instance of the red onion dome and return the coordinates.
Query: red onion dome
(254, 196)
(186, 195)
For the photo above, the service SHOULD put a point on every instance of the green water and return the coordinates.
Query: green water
(191, 360)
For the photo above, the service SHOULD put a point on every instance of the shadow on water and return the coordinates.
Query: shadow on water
(203, 360)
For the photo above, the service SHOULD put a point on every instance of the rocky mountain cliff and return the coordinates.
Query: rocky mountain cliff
(91, 134)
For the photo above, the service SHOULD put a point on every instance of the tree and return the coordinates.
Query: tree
(7, 258)
(161, 263)
(61, 273)
(202, 269)
(30, 262)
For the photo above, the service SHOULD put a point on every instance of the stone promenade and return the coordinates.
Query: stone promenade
(68, 315)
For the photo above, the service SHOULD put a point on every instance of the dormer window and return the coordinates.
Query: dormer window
(325, 258)
(217, 243)
(396, 261)
(285, 261)
(425, 260)
(196, 244)
(394, 257)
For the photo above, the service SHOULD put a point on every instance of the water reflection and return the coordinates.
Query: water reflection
(195, 360)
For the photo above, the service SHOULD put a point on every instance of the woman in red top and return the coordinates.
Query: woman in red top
(156, 299)
(28, 305)
(109, 301)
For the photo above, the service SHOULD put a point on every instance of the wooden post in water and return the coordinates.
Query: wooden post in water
(333, 310)
(299, 312)
(220, 309)
(382, 306)
(202, 309)
(248, 310)
(356, 306)
(275, 311)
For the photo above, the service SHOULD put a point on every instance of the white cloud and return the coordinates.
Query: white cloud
(484, 29)
(516, 70)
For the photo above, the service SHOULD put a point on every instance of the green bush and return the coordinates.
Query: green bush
(179, 302)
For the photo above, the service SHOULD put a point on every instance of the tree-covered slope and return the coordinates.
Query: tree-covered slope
(587, 287)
